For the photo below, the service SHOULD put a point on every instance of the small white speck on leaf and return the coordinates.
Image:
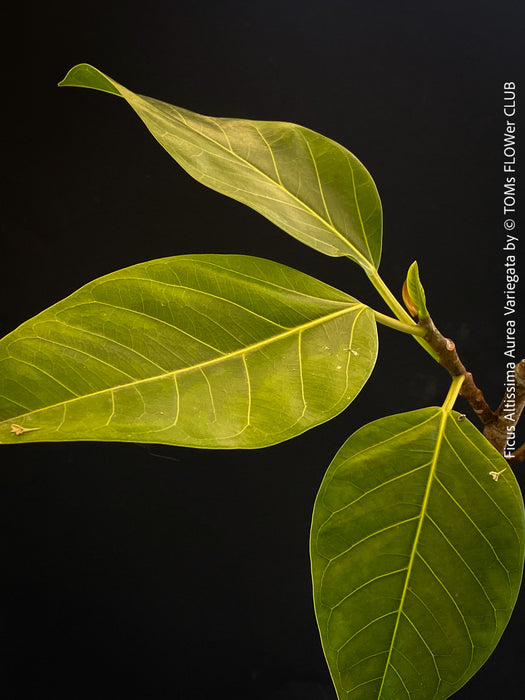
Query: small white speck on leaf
(496, 475)
(19, 430)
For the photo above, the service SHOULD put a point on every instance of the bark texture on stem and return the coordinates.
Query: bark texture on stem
(449, 359)
(501, 431)
(500, 424)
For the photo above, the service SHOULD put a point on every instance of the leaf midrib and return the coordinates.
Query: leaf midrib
(298, 330)
(424, 506)
(328, 224)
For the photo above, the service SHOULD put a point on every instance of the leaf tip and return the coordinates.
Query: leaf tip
(85, 75)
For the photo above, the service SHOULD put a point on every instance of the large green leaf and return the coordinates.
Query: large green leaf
(417, 556)
(307, 184)
(202, 350)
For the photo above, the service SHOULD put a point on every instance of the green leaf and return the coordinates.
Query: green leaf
(417, 556)
(414, 294)
(196, 350)
(307, 184)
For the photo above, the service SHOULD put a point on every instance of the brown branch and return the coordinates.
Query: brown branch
(449, 359)
(499, 425)
(501, 431)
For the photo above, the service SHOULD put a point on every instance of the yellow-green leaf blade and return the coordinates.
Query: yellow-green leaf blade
(203, 351)
(307, 184)
(417, 556)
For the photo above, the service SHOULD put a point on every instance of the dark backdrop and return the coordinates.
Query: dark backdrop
(155, 572)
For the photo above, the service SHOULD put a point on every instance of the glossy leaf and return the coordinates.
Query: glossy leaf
(307, 184)
(202, 350)
(417, 556)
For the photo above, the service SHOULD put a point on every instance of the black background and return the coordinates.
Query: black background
(155, 572)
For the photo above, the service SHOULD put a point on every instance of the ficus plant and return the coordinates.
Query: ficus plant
(417, 535)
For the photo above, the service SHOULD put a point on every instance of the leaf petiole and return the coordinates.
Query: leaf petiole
(453, 392)
(399, 311)
(411, 328)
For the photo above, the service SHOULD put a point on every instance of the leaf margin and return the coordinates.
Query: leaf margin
(86, 75)
(27, 430)
(461, 424)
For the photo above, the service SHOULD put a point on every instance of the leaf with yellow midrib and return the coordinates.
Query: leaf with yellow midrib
(307, 184)
(417, 556)
(201, 351)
